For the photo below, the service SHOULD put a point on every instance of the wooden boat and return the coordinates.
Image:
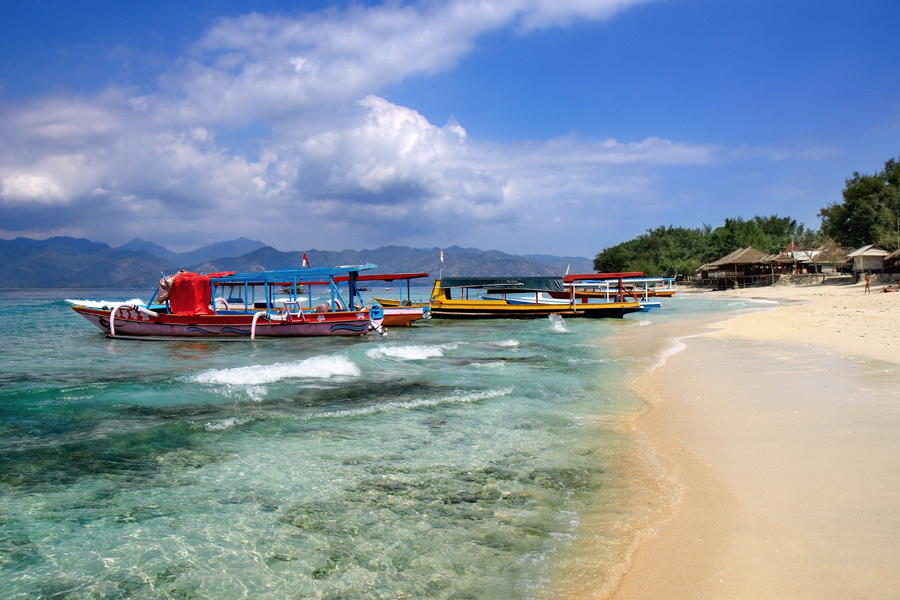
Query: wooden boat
(641, 289)
(228, 306)
(521, 297)
(401, 312)
(397, 313)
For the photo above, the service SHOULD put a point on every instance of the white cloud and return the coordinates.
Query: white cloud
(325, 154)
(21, 189)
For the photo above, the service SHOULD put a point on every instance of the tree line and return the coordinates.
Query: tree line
(868, 214)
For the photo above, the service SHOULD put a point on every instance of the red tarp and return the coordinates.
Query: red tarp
(191, 293)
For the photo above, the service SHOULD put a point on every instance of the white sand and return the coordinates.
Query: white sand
(785, 432)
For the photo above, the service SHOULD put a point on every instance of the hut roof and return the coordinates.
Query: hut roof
(780, 257)
(870, 250)
(741, 256)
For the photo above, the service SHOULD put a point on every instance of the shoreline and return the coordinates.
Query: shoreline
(779, 426)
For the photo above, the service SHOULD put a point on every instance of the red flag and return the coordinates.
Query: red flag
(305, 262)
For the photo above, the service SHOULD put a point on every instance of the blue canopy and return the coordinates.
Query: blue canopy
(283, 276)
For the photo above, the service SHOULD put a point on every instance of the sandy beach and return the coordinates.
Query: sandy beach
(782, 427)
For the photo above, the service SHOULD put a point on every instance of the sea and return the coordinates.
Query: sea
(448, 460)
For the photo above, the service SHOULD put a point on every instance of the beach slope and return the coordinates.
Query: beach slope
(784, 429)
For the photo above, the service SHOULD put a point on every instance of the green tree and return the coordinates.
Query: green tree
(678, 250)
(659, 252)
(869, 212)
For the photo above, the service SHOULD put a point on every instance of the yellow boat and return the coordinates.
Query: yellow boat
(520, 298)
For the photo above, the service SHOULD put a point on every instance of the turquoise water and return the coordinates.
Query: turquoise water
(446, 460)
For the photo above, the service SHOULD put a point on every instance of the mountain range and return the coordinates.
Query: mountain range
(67, 262)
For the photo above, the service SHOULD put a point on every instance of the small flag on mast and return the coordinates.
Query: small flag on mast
(442, 256)
(305, 262)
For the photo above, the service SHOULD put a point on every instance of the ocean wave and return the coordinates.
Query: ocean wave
(455, 398)
(675, 346)
(493, 364)
(317, 367)
(415, 352)
(505, 343)
(223, 424)
(102, 303)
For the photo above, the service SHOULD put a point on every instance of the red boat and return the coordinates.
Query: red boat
(228, 306)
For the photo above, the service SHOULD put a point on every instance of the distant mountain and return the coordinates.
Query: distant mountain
(574, 264)
(400, 259)
(71, 262)
(236, 247)
(139, 245)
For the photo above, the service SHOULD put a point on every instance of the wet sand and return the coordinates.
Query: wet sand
(784, 431)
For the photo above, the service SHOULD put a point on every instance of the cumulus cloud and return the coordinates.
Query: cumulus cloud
(272, 127)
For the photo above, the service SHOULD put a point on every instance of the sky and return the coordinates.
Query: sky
(526, 126)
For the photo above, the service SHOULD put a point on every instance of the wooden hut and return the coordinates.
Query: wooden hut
(892, 262)
(745, 267)
(868, 258)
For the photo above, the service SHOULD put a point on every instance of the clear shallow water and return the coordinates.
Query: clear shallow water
(446, 460)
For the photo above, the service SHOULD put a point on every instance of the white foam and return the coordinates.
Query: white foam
(102, 303)
(417, 352)
(506, 343)
(675, 346)
(456, 398)
(223, 424)
(558, 323)
(317, 367)
(494, 364)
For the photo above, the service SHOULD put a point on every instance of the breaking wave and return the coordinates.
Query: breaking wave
(455, 398)
(317, 367)
(416, 352)
(102, 303)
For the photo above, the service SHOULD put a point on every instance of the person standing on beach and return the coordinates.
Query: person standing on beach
(868, 281)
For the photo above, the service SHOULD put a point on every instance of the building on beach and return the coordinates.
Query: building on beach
(868, 258)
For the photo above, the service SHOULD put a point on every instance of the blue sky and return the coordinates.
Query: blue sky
(527, 126)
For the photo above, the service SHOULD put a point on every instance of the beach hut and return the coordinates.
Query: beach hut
(744, 266)
(868, 258)
(892, 262)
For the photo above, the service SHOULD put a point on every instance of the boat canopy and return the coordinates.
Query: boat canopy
(377, 277)
(310, 275)
(600, 276)
(500, 285)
